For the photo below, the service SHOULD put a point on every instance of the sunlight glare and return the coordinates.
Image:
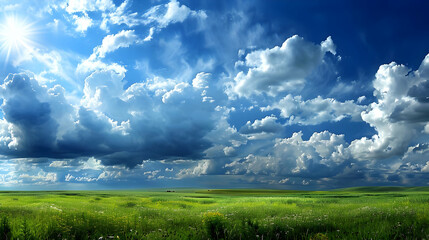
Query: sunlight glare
(15, 36)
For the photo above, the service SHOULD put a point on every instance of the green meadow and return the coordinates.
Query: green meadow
(354, 213)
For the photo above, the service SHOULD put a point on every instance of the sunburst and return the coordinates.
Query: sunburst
(15, 36)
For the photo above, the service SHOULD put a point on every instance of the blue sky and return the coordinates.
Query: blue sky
(107, 94)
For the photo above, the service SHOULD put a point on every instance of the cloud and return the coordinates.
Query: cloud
(317, 110)
(41, 178)
(151, 174)
(92, 65)
(112, 42)
(172, 12)
(82, 23)
(111, 124)
(178, 121)
(29, 110)
(74, 6)
(326, 158)
(267, 125)
(201, 80)
(280, 69)
(150, 35)
(361, 99)
(119, 16)
(92, 164)
(110, 13)
(400, 110)
(59, 164)
(199, 169)
(321, 156)
(11, 7)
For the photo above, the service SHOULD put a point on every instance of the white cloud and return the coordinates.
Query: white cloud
(11, 7)
(73, 6)
(59, 164)
(361, 99)
(401, 110)
(82, 23)
(112, 42)
(107, 175)
(426, 167)
(200, 169)
(91, 164)
(151, 174)
(120, 16)
(68, 177)
(426, 129)
(317, 110)
(328, 46)
(201, 80)
(41, 178)
(280, 69)
(284, 180)
(110, 14)
(150, 35)
(54, 65)
(224, 137)
(229, 151)
(172, 12)
(321, 156)
(262, 128)
(90, 65)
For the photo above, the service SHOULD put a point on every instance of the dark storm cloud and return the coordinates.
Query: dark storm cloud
(33, 126)
(420, 92)
(171, 126)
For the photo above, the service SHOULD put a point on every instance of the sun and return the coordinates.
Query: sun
(15, 36)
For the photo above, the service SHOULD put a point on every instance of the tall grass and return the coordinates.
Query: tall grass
(214, 215)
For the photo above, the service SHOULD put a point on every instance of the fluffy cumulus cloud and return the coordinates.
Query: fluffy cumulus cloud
(401, 110)
(263, 128)
(321, 156)
(82, 23)
(317, 110)
(201, 168)
(280, 69)
(399, 117)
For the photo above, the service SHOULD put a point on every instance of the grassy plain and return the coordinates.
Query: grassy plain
(355, 213)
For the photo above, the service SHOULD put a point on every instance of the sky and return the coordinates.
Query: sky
(122, 94)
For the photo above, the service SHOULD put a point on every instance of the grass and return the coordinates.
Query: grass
(356, 213)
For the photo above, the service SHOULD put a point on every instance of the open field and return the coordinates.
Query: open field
(355, 213)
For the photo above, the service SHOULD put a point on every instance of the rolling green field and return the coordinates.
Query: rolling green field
(355, 213)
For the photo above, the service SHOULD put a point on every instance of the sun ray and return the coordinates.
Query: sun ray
(15, 37)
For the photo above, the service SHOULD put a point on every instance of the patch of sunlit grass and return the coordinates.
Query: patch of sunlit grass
(189, 215)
